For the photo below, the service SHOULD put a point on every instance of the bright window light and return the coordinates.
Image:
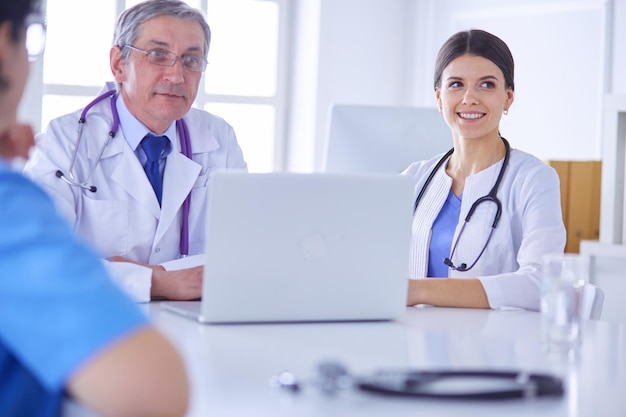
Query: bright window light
(239, 85)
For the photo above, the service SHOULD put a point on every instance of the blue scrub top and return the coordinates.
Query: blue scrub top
(58, 306)
(442, 234)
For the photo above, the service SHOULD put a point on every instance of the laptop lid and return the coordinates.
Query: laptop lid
(290, 247)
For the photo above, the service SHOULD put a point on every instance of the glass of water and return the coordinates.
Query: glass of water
(563, 278)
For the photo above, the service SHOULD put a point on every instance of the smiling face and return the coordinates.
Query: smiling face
(158, 95)
(472, 97)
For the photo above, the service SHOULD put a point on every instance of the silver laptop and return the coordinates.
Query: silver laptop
(291, 247)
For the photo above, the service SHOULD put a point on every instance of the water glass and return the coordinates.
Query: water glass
(563, 278)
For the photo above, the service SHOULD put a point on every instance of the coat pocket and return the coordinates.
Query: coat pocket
(104, 224)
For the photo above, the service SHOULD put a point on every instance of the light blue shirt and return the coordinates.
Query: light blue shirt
(58, 306)
(134, 131)
(442, 234)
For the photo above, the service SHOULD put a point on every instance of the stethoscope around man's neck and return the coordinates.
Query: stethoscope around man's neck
(490, 197)
(185, 145)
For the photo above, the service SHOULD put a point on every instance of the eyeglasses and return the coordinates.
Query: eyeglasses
(168, 59)
(35, 38)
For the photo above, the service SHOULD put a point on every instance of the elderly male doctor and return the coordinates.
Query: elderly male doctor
(108, 190)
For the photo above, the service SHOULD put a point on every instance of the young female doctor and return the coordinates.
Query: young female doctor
(484, 212)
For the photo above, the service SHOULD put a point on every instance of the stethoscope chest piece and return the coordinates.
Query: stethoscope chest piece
(97, 119)
(490, 198)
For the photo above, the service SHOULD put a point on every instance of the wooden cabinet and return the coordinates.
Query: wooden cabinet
(580, 200)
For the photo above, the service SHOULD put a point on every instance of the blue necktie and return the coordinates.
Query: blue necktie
(153, 146)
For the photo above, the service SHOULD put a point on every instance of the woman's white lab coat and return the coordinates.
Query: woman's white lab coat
(123, 216)
(531, 225)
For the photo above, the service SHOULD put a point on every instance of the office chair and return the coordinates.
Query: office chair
(592, 301)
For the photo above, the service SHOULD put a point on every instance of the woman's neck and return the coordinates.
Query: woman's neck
(471, 156)
(474, 155)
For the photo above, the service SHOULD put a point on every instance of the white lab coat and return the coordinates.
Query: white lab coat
(531, 225)
(123, 216)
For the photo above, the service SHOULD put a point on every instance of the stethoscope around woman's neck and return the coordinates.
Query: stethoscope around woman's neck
(490, 197)
(185, 145)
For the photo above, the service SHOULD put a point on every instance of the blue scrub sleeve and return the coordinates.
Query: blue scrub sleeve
(58, 307)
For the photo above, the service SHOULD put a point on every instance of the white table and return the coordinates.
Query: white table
(230, 365)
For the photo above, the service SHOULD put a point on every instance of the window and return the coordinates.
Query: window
(243, 83)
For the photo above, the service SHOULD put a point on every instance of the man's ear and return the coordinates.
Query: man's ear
(6, 39)
(6, 42)
(117, 63)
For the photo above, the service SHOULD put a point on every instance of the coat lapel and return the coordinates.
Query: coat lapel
(179, 176)
(129, 174)
(178, 180)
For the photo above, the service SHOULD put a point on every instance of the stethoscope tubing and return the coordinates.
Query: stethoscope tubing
(185, 144)
(416, 384)
(185, 147)
(81, 123)
(332, 377)
(490, 197)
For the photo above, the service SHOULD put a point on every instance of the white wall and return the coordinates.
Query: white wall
(382, 53)
(559, 50)
(361, 57)
(301, 128)
(617, 70)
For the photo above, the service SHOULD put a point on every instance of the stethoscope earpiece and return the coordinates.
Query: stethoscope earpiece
(285, 380)
(331, 377)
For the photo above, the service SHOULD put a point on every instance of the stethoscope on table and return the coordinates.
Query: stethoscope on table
(185, 144)
(490, 197)
(332, 377)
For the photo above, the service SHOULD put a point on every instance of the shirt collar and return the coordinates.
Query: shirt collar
(134, 131)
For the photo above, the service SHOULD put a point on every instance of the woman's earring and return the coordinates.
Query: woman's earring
(505, 111)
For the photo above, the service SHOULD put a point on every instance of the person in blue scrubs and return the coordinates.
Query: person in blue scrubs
(67, 332)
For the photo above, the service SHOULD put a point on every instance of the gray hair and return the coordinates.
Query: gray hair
(129, 22)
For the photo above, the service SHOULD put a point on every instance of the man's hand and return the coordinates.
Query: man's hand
(182, 284)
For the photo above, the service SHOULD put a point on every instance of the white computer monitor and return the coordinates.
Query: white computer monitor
(383, 139)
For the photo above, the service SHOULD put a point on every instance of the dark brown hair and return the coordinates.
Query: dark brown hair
(480, 43)
(16, 12)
